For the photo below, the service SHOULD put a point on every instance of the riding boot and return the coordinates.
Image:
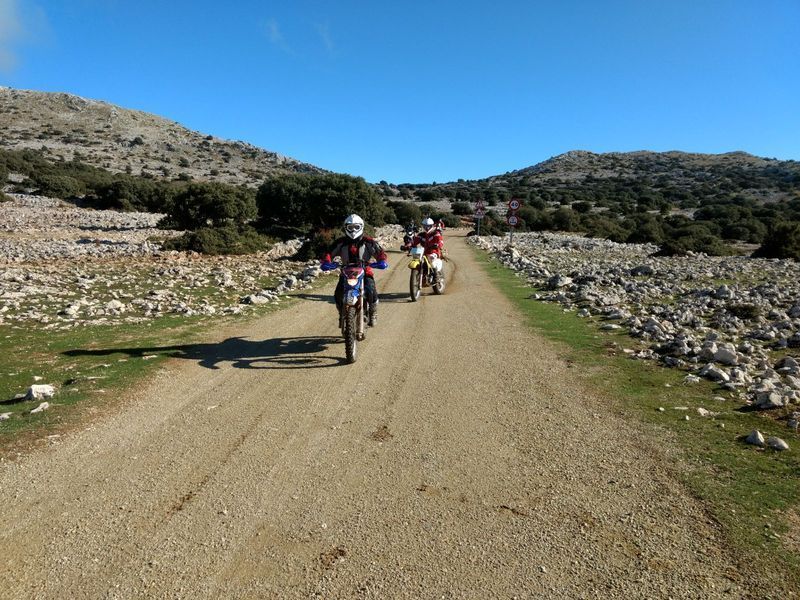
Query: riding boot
(373, 315)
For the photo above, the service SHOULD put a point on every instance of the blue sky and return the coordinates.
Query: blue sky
(421, 91)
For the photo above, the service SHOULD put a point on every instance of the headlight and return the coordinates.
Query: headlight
(352, 282)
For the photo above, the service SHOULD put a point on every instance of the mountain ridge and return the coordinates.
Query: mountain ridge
(65, 126)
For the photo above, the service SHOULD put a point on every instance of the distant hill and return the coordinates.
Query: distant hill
(64, 127)
(674, 178)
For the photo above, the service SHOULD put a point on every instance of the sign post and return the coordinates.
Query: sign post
(479, 214)
(512, 219)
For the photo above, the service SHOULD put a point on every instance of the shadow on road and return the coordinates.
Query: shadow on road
(276, 353)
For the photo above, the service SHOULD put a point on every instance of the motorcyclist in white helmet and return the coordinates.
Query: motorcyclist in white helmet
(355, 248)
(431, 239)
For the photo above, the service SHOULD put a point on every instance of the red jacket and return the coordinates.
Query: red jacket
(431, 240)
(356, 252)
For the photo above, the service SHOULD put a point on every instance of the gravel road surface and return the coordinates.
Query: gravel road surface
(458, 458)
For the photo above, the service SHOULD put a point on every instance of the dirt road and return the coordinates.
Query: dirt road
(457, 458)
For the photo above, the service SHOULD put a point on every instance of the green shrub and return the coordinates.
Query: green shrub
(783, 241)
(227, 239)
(319, 244)
(451, 220)
(200, 205)
(744, 311)
(58, 186)
(306, 202)
(672, 248)
(461, 208)
(405, 212)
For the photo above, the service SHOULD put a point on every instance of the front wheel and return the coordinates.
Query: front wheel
(438, 287)
(350, 329)
(415, 283)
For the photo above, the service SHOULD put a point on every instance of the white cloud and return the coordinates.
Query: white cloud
(275, 36)
(11, 30)
(324, 31)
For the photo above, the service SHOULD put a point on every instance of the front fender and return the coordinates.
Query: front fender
(414, 264)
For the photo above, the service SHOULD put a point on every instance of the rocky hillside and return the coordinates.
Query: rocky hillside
(670, 177)
(123, 140)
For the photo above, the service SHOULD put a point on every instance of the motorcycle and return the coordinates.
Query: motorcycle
(407, 239)
(355, 307)
(423, 274)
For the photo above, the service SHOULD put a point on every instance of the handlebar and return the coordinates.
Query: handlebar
(330, 266)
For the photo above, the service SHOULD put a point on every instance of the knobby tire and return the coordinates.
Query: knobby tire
(415, 283)
(350, 329)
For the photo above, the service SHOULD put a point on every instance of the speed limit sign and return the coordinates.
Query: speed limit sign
(513, 205)
(512, 220)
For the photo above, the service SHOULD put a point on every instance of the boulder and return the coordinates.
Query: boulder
(755, 438)
(777, 443)
(642, 270)
(714, 373)
(726, 355)
(558, 281)
(254, 299)
(115, 306)
(769, 400)
(40, 392)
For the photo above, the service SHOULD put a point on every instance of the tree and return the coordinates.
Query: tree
(300, 203)
(210, 204)
(783, 241)
(460, 208)
(405, 212)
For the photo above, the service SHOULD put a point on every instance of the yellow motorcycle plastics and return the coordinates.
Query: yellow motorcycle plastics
(413, 264)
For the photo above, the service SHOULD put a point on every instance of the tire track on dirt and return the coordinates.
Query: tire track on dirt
(458, 457)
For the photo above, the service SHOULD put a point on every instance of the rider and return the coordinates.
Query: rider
(411, 231)
(431, 239)
(355, 248)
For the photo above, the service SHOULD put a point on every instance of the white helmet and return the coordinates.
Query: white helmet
(427, 223)
(354, 226)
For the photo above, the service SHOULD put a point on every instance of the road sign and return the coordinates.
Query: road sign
(514, 205)
(479, 213)
(479, 205)
(512, 220)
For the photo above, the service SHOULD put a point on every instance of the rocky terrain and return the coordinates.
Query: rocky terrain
(733, 320)
(65, 127)
(62, 266)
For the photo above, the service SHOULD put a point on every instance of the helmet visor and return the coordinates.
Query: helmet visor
(353, 228)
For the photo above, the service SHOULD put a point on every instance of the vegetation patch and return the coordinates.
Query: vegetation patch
(750, 491)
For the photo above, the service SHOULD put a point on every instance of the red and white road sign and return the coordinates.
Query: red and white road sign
(512, 220)
(513, 205)
(479, 213)
(479, 205)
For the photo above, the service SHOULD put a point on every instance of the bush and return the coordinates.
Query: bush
(227, 239)
(744, 311)
(783, 241)
(672, 248)
(58, 186)
(461, 208)
(306, 202)
(200, 205)
(451, 220)
(4, 198)
(319, 244)
(405, 212)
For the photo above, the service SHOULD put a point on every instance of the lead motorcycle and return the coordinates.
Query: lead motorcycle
(355, 307)
(423, 274)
